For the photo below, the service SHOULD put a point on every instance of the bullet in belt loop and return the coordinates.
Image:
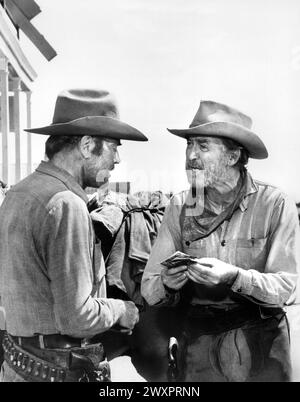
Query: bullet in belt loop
(5, 345)
(45, 371)
(53, 373)
(19, 359)
(30, 366)
(24, 362)
(37, 369)
(12, 354)
(61, 375)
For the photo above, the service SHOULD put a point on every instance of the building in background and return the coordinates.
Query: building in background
(16, 78)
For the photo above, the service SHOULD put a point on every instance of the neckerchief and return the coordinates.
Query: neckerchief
(200, 226)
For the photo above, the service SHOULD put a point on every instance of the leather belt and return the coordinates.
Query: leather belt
(28, 365)
(52, 341)
(206, 320)
(251, 309)
(57, 365)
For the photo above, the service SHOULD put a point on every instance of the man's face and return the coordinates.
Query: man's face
(98, 166)
(206, 161)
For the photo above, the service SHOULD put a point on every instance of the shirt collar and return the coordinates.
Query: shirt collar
(52, 170)
(251, 188)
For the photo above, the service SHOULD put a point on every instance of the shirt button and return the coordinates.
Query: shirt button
(187, 243)
(223, 242)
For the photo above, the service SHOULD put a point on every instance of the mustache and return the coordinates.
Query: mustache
(194, 166)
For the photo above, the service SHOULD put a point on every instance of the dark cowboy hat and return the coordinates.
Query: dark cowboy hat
(217, 120)
(88, 112)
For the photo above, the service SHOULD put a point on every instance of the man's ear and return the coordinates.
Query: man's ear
(86, 145)
(234, 156)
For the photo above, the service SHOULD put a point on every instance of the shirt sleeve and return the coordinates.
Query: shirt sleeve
(167, 242)
(277, 284)
(68, 251)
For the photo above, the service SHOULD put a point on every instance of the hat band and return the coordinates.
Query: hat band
(110, 114)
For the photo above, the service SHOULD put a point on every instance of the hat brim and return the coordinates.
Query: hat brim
(101, 126)
(247, 138)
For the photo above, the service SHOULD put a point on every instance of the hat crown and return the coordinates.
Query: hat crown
(72, 104)
(214, 112)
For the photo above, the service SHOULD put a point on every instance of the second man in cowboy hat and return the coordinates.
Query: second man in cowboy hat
(52, 270)
(241, 241)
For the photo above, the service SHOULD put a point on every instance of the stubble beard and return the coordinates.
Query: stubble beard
(215, 174)
(207, 176)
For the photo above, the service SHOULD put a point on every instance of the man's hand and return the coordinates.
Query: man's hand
(130, 317)
(211, 271)
(174, 278)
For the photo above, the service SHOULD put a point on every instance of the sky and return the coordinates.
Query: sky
(160, 58)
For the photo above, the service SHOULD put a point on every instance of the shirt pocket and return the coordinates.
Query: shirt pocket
(99, 265)
(195, 249)
(251, 253)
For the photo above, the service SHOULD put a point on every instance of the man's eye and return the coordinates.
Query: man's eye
(203, 147)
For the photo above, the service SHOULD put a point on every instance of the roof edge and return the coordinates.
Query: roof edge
(13, 51)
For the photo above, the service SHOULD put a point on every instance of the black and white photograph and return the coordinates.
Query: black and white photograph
(149, 193)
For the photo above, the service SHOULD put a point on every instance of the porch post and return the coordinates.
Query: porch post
(16, 87)
(4, 115)
(29, 145)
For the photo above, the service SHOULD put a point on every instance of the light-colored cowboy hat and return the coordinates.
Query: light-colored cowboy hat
(217, 120)
(88, 112)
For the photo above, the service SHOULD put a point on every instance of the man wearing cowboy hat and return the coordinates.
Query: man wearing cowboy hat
(52, 270)
(243, 237)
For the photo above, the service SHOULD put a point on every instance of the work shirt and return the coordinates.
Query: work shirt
(261, 238)
(52, 275)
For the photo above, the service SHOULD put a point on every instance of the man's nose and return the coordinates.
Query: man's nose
(117, 158)
(192, 154)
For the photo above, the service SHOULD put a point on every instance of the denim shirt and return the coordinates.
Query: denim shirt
(52, 274)
(262, 239)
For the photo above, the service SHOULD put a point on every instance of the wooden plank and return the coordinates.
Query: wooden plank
(30, 31)
(16, 117)
(28, 7)
(11, 49)
(29, 145)
(4, 116)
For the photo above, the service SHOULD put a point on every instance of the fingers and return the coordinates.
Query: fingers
(172, 274)
(196, 277)
(200, 268)
(180, 283)
(130, 317)
(174, 281)
(175, 277)
(173, 271)
(209, 262)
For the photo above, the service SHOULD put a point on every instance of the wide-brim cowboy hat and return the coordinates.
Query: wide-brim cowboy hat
(214, 119)
(88, 112)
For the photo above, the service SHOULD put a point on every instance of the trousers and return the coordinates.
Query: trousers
(258, 350)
